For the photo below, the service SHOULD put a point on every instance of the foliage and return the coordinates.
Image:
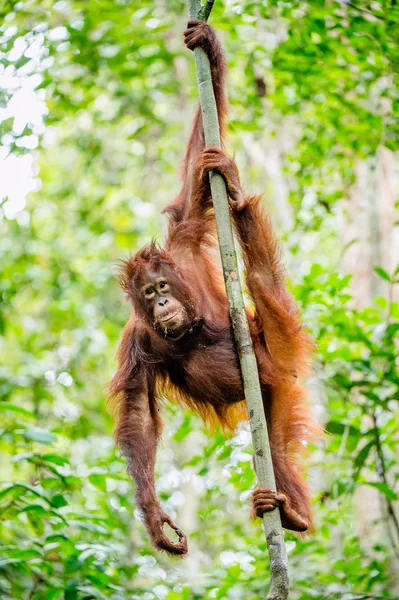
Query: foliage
(107, 92)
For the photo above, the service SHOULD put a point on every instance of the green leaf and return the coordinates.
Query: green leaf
(36, 522)
(371, 396)
(341, 428)
(54, 593)
(19, 488)
(184, 430)
(13, 490)
(58, 537)
(40, 435)
(90, 526)
(56, 459)
(98, 480)
(384, 489)
(49, 483)
(72, 564)
(381, 273)
(25, 456)
(93, 592)
(20, 556)
(363, 454)
(35, 508)
(17, 409)
(71, 589)
(58, 501)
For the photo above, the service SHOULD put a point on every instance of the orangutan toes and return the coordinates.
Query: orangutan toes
(263, 500)
(266, 500)
(198, 34)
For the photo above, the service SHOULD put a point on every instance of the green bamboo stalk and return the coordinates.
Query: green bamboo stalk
(279, 582)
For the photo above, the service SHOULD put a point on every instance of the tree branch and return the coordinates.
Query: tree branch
(279, 582)
(382, 472)
(206, 10)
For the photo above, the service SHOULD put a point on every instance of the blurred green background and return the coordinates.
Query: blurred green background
(96, 100)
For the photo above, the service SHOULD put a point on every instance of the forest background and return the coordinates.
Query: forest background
(96, 103)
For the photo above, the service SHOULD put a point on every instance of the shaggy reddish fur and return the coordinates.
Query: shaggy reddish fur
(201, 369)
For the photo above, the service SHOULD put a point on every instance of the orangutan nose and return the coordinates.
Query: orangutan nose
(162, 301)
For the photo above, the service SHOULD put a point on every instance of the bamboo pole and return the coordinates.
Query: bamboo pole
(279, 582)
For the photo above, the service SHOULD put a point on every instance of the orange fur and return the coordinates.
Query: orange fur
(201, 369)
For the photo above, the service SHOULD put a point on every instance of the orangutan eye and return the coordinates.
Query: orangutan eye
(162, 285)
(149, 292)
